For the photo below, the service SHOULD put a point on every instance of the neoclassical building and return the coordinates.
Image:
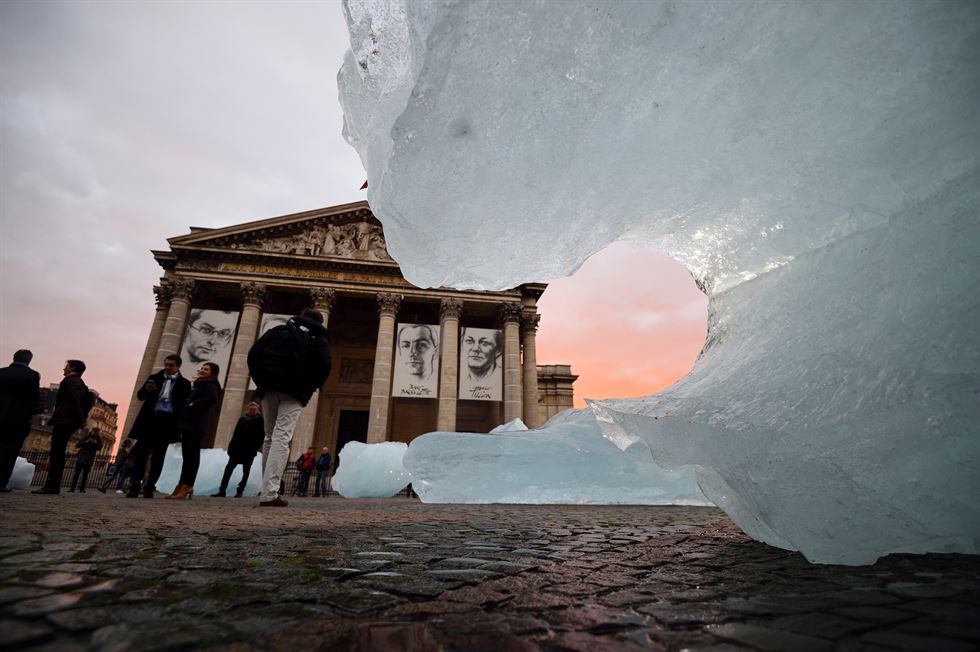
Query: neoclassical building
(406, 360)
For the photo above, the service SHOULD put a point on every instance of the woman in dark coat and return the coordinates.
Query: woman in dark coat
(245, 443)
(193, 426)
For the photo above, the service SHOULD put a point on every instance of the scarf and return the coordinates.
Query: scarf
(168, 386)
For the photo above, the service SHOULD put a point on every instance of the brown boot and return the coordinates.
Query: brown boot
(182, 492)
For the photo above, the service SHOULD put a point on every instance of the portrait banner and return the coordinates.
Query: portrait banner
(416, 367)
(208, 337)
(481, 376)
(269, 321)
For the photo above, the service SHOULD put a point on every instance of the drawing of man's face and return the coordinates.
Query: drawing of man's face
(417, 349)
(208, 332)
(480, 350)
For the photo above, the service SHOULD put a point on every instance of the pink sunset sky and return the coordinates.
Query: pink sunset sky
(123, 124)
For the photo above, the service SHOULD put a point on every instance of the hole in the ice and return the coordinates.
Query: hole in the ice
(630, 322)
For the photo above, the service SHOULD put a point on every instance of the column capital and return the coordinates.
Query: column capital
(182, 288)
(530, 321)
(323, 298)
(510, 312)
(163, 293)
(388, 303)
(253, 293)
(450, 309)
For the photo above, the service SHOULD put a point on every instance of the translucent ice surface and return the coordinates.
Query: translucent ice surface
(22, 474)
(213, 461)
(371, 470)
(568, 461)
(815, 164)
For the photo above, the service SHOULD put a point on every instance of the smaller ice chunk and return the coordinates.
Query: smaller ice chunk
(371, 470)
(514, 425)
(22, 474)
(213, 461)
(566, 461)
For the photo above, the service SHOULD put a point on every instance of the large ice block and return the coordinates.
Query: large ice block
(213, 461)
(567, 461)
(371, 470)
(814, 164)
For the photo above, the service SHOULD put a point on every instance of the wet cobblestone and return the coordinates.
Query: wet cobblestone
(105, 573)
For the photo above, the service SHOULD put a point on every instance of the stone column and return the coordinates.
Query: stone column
(529, 329)
(163, 293)
(510, 315)
(173, 328)
(381, 385)
(236, 382)
(450, 310)
(305, 432)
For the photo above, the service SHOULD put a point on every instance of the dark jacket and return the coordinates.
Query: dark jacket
(122, 457)
(87, 450)
(150, 424)
(204, 395)
(316, 366)
(323, 463)
(68, 403)
(20, 392)
(247, 439)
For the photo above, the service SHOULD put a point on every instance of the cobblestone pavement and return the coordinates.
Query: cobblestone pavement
(101, 572)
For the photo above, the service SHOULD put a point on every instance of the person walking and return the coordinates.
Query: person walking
(288, 363)
(164, 395)
(245, 443)
(20, 395)
(119, 469)
(322, 473)
(305, 465)
(193, 426)
(71, 407)
(85, 452)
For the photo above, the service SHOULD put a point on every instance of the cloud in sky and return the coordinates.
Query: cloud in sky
(122, 124)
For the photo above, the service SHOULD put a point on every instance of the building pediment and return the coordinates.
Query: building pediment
(349, 232)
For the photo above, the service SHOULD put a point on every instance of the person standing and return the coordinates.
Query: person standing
(245, 443)
(305, 465)
(322, 473)
(20, 395)
(288, 363)
(85, 452)
(118, 470)
(71, 408)
(193, 425)
(164, 395)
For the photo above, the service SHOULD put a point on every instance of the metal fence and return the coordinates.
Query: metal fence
(102, 463)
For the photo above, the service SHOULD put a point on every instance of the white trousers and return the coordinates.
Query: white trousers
(280, 413)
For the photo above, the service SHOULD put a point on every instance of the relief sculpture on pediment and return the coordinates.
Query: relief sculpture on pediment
(359, 240)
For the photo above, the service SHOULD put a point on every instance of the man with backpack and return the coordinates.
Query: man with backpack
(71, 408)
(288, 363)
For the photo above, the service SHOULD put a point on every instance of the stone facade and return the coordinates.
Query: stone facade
(101, 419)
(335, 259)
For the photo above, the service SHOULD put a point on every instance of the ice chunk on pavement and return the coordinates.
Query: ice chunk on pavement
(213, 461)
(566, 461)
(514, 425)
(371, 470)
(827, 150)
(22, 474)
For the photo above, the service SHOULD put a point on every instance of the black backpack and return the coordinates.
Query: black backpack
(279, 354)
(88, 402)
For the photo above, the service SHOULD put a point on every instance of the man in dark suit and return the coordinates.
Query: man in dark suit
(164, 395)
(69, 415)
(20, 394)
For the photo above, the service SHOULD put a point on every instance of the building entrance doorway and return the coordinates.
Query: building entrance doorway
(353, 426)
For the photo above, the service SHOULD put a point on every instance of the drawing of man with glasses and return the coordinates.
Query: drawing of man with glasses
(209, 336)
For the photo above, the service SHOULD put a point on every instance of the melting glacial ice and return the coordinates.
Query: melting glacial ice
(814, 164)
(567, 461)
(371, 470)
